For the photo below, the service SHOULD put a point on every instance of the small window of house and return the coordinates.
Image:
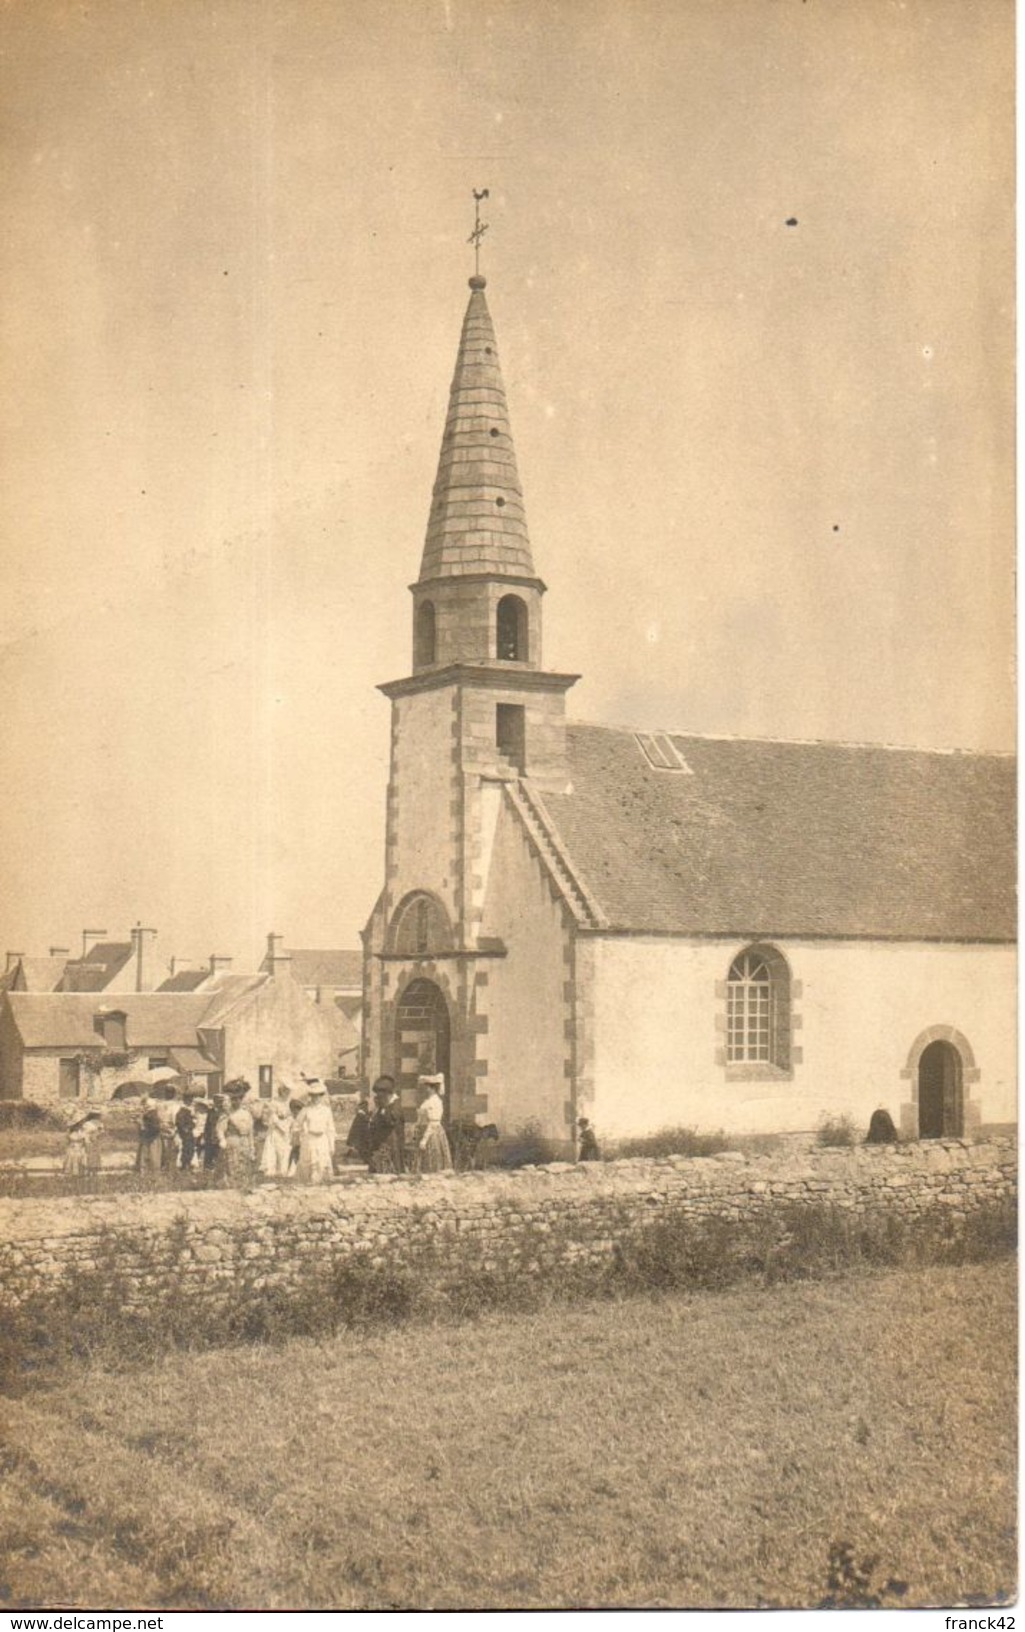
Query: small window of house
(156, 1062)
(69, 1082)
(266, 1081)
(511, 630)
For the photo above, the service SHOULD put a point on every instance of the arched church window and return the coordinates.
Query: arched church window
(758, 1009)
(420, 927)
(511, 630)
(425, 635)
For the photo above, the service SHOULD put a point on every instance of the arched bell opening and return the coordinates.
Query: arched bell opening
(511, 630)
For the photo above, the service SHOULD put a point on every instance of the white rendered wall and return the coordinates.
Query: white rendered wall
(860, 1008)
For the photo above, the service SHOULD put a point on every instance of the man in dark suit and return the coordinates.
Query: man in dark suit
(386, 1134)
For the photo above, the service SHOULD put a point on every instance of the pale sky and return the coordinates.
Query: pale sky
(768, 469)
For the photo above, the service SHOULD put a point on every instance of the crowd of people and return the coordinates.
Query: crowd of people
(235, 1135)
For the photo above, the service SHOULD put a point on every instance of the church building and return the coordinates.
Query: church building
(663, 929)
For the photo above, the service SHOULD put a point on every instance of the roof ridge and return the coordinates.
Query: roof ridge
(792, 742)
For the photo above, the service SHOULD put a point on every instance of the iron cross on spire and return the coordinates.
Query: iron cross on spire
(479, 229)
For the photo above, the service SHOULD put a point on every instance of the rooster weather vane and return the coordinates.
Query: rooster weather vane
(479, 229)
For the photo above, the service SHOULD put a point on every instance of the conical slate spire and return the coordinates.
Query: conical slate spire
(477, 521)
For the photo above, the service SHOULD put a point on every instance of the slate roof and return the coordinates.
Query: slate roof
(65, 1019)
(477, 521)
(326, 968)
(99, 966)
(191, 1059)
(350, 1006)
(184, 980)
(33, 975)
(770, 839)
(223, 993)
(154, 1019)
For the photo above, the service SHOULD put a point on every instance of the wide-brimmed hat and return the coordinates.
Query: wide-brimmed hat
(84, 1116)
(315, 1086)
(237, 1087)
(435, 1081)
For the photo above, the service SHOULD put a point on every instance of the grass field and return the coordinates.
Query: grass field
(850, 1439)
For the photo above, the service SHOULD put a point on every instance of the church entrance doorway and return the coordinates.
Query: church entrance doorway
(940, 1093)
(423, 1041)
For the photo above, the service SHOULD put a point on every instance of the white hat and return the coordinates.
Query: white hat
(314, 1085)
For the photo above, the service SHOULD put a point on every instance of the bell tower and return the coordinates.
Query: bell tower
(477, 603)
(477, 721)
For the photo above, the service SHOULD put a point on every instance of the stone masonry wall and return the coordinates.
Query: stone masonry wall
(512, 1223)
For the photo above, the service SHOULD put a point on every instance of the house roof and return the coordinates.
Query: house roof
(66, 1019)
(164, 1019)
(350, 1006)
(185, 980)
(97, 969)
(477, 521)
(191, 1059)
(222, 994)
(33, 975)
(344, 1035)
(325, 968)
(760, 838)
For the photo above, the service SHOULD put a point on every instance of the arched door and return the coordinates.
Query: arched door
(940, 1093)
(422, 1041)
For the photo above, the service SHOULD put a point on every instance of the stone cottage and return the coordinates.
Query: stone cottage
(67, 1046)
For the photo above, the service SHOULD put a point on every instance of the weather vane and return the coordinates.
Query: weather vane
(479, 229)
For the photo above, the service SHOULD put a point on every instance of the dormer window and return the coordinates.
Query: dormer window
(111, 1024)
(511, 630)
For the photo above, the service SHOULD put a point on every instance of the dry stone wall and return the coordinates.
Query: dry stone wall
(508, 1223)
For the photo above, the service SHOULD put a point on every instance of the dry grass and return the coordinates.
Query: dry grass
(688, 1450)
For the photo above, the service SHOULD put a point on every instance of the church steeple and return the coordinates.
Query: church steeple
(477, 522)
(477, 599)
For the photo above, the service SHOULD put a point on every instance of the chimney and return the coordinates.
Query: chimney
(278, 960)
(12, 959)
(219, 963)
(60, 951)
(143, 957)
(89, 937)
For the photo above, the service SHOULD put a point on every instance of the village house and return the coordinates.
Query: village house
(62, 1045)
(659, 929)
(104, 966)
(331, 978)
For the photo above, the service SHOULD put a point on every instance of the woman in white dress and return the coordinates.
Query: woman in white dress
(315, 1126)
(277, 1145)
(430, 1141)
